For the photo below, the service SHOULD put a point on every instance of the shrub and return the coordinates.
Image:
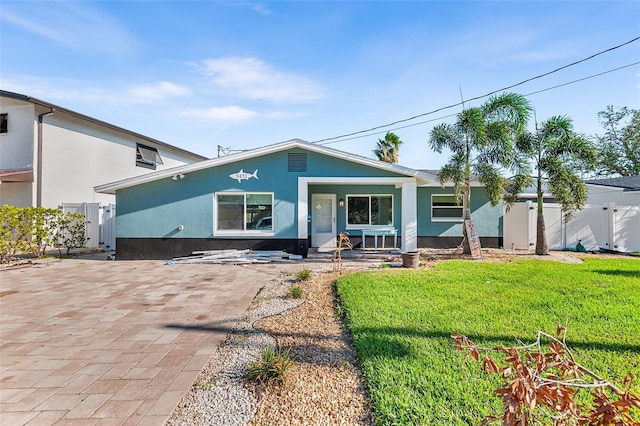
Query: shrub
(270, 368)
(31, 230)
(295, 292)
(303, 275)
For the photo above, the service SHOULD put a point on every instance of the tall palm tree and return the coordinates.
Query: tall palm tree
(388, 149)
(482, 142)
(559, 156)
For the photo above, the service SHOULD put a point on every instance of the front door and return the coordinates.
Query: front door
(323, 221)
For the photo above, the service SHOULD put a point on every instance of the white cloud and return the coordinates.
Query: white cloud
(157, 91)
(252, 78)
(228, 113)
(75, 24)
(59, 90)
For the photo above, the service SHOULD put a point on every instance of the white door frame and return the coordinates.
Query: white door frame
(409, 209)
(324, 241)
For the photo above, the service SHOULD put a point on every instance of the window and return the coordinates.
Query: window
(4, 123)
(445, 208)
(297, 162)
(369, 210)
(147, 157)
(240, 213)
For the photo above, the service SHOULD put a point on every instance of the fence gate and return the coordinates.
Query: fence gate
(608, 226)
(109, 227)
(91, 213)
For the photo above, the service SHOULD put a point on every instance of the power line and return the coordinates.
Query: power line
(482, 96)
(331, 141)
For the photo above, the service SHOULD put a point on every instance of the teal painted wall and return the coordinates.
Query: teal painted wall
(341, 192)
(156, 209)
(487, 219)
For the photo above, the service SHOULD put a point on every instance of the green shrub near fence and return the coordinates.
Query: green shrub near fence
(32, 230)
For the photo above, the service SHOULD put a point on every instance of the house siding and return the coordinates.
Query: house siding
(487, 219)
(150, 213)
(155, 210)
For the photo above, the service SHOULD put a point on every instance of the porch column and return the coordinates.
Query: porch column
(409, 216)
(303, 209)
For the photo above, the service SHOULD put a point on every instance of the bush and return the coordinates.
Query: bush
(31, 230)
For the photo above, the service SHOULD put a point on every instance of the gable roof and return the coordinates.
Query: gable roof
(626, 183)
(35, 101)
(111, 188)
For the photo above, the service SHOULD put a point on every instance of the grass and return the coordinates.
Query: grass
(401, 322)
(303, 275)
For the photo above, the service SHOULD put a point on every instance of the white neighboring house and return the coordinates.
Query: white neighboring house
(51, 155)
(623, 191)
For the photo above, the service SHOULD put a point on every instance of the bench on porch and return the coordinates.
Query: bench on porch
(377, 232)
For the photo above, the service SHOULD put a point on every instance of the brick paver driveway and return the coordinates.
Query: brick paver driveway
(96, 342)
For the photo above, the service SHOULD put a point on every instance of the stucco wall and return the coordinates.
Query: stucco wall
(78, 155)
(600, 195)
(487, 219)
(156, 209)
(16, 146)
(17, 194)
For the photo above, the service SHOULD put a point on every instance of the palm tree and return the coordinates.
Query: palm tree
(559, 156)
(388, 149)
(481, 142)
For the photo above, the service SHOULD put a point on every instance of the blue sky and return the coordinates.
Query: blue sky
(241, 74)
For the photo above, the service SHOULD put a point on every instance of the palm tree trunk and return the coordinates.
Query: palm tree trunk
(466, 215)
(541, 234)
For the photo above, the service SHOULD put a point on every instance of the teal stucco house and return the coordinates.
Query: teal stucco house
(292, 196)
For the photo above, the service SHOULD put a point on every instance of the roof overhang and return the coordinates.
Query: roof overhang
(16, 175)
(111, 188)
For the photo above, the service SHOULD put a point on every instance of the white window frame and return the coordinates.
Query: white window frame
(445, 219)
(369, 226)
(244, 232)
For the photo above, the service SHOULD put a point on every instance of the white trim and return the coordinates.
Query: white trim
(111, 188)
(244, 233)
(409, 208)
(409, 231)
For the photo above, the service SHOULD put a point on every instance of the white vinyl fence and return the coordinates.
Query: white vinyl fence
(100, 230)
(606, 226)
(91, 213)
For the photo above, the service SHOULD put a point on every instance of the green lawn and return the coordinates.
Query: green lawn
(401, 322)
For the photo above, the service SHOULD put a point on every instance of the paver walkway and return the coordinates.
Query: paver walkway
(93, 342)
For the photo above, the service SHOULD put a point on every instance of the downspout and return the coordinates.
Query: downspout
(39, 163)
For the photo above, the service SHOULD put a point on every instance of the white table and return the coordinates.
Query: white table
(377, 232)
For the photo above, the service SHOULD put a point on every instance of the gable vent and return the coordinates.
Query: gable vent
(297, 162)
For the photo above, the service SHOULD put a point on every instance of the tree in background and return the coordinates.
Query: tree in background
(482, 141)
(388, 149)
(559, 156)
(619, 147)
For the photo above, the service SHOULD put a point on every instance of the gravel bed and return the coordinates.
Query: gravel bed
(219, 396)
